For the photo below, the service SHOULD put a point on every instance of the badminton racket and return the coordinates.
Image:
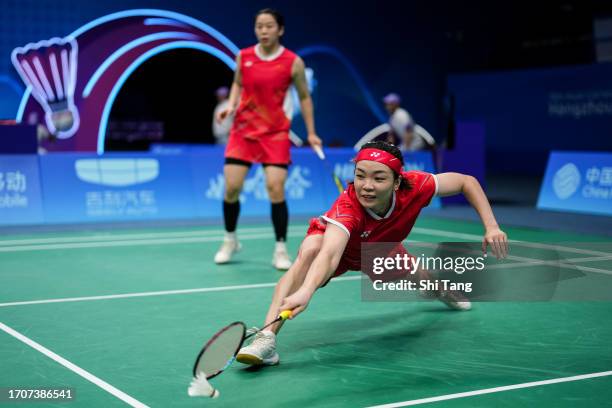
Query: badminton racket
(319, 151)
(219, 353)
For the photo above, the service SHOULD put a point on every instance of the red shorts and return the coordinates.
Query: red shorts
(316, 227)
(272, 148)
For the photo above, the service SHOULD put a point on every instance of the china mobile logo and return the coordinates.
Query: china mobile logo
(566, 181)
(296, 185)
(49, 69)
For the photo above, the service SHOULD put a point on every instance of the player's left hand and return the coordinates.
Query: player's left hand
(314, 140)
(297, 302)
(498, 240)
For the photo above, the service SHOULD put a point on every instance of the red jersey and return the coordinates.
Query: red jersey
(363, 225)
(264, 85)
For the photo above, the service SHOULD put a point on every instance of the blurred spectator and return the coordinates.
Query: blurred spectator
(405, 133)
(410, 140)
(399, 118)
(221, 129)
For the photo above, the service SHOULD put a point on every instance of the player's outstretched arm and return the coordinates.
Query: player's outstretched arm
(320, 271)
(456, 183)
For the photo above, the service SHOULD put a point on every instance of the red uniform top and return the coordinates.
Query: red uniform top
(363, 225)
(264, 85)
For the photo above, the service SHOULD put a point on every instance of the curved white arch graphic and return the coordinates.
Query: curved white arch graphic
(139, 61)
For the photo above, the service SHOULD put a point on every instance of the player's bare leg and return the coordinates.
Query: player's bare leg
(234, 180)
(275, 185)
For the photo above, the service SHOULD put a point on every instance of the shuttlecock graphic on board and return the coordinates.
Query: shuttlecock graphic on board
(49, 69)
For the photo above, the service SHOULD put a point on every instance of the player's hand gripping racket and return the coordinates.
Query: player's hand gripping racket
(219, 353)
(319, 151)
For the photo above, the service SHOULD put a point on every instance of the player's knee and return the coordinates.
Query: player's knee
(232, 192)
(276, 191)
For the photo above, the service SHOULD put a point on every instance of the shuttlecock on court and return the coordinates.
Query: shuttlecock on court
(200, 387)
(49, 69)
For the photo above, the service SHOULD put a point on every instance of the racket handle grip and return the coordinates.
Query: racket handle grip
(319, 151)
(285, 314)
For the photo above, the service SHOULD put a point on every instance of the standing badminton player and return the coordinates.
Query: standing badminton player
(381, 205)
(260, 132)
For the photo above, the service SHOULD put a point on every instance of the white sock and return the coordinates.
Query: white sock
(280, 246)
(230, 236)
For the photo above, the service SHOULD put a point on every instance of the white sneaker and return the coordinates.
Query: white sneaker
(280, 259)
(454, 300)
(262, 351)
(228, 248)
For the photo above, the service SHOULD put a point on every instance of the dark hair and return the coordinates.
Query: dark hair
(278, 17)
(395, 151)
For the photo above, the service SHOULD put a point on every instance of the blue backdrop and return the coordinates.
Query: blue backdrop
(528, 113)
(176, 182)
(578, 182)
(82, 187)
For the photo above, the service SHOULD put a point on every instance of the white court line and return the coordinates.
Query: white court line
(478, 251)
(195, 234)
(209, 239)
(156, 238)
(74, 368)
(107, 244)
(561, 263)
(461, 235)
(112, 237)
(589, 259)
(562, 248)
(160, 293)
(547, 263)
(530, 261)
(569, 263)
(493, 390)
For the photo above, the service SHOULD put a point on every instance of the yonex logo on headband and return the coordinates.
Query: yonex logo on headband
(380, 156)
